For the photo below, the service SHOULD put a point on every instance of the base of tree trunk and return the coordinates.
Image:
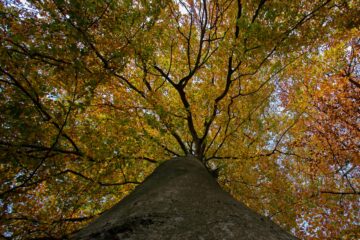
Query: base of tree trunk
(181, 200)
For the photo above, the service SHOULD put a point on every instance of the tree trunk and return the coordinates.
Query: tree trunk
(181, 200)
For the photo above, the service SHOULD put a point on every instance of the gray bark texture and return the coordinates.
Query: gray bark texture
(181, 200)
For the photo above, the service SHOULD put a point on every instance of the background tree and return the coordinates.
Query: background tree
(94, 92)
(325, 145)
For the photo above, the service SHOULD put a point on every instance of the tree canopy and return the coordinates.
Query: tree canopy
(95, 94)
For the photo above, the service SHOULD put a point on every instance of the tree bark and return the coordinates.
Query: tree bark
(181, 200)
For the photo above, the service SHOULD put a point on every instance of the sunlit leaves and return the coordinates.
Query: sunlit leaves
(94, 93)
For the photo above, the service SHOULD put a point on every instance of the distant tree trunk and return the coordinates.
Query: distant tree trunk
(181, 200)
